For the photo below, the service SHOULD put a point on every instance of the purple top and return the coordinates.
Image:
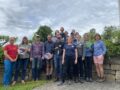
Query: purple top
(37, 50)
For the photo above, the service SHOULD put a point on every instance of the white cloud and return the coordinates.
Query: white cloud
(20, 18)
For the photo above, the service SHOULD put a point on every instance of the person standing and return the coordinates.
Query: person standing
(11, 55)
(36, 55)
(49, 47)
(87, 57)
(70, 56)
(80, 70)
(22, 62)
(58, 49)
(99, 52)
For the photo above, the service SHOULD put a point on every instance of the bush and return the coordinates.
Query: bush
(1, 54)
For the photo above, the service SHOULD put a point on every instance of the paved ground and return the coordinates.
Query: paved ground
(85, 86)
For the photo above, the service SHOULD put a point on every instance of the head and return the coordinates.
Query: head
(12, 40)
(58, 35)
(97, 37)
(37, 38)
(57, 31)
(66, 33)
(69, 40)
(78, 37)
(86, 36)
(49, 38)
(62, 29)
(25, 40)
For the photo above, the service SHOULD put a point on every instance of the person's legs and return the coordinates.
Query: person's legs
(38, 70)
(7, 72)
(89, 64)
(51, 69)
(80, 67)
(56, 57)
(17, 70)
(24, 63)
(34, 69)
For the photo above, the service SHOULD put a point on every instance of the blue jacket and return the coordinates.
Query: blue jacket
(99, 48)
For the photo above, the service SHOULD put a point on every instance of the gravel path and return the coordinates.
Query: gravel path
(85, 86)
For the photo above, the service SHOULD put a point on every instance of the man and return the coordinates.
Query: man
(63, 34)
(58, 49)
(11, 55)
(37, 52)
(49, 46)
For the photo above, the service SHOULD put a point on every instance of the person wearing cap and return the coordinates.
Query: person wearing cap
(22, 62)
(49, 47)
(36, 55)
(11, 55)
(58, 49)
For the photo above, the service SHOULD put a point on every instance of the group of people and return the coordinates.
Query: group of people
(66, 57)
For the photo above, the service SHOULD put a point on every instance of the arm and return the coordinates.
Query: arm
(31, 53)
(104, 48)
(63, 57)
(76, 56)
(6, 55)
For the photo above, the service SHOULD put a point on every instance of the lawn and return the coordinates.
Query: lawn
(27, 86)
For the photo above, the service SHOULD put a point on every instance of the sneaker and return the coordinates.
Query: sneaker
(102, 80)
(23, 82)
(56, 80)
(81, 81)
(14, 82)
(60, 84)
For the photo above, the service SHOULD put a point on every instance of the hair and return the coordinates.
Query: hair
(25, 38)
(97, 34)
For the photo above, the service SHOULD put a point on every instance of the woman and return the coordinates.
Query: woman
(99, 52)
(24, 50)
(69, 58)
(11, 55)
(80, 46)
(87, 57)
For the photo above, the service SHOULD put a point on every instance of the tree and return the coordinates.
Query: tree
(43, 32)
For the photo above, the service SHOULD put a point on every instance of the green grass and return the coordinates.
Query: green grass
(27, 86)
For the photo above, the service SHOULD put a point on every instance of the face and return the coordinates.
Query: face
(12, 40)
(69, 40)
(25, 40)
(97, 37)
(86, 37)
(61, 29)
(37, 38)
(49, 38)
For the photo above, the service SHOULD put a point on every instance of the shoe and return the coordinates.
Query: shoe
(60, 84)
(69, 82)
(90, 80)
(14, 82)
(50, 77)
(47, 77)
(102, 80)
(23, 82)
(87, 79)
(56, 80)
(81, 81)
(98, 79)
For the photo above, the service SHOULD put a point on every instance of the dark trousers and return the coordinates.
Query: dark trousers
(36, 68)
(80, 67)
(21, 65)
(88, 67)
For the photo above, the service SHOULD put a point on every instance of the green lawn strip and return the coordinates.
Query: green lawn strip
(27, 86)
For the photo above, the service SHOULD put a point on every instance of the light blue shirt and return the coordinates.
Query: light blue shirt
(99, 48)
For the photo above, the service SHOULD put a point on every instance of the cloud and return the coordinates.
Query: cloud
(20, 18)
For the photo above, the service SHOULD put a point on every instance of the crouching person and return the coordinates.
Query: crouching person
(11, 55)
(37, 52)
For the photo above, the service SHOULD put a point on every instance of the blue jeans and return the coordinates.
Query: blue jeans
(36, 68)
(8, 69)
(58, 64)
(21, 65)
(80, 67)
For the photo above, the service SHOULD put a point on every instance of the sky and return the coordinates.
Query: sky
(23, 17)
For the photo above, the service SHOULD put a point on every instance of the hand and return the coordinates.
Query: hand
(76, 61)
(31, 59)
(42, 57)
(83, 58)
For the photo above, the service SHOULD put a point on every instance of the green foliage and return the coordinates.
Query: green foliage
(111, 37)
(1, 54)
(43, 32)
